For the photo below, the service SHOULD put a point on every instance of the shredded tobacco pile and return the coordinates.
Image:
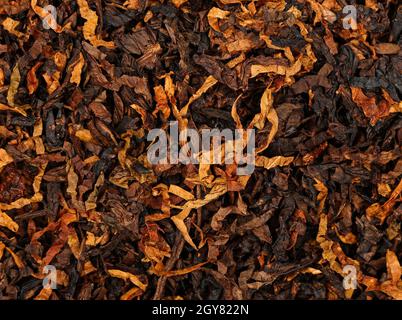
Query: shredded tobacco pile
(80, 92)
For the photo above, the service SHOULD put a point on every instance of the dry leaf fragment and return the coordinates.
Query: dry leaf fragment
(392, 286)
(381, 212)
(219, 216)
(384, 189)
(36, 136)
(10, 25)
(72, 179)
(219, 188)
(37, 197)
(231, 1)
(77, 69)
(131, 294)
(52, 81)
(269, 163)
(387, 48)
(45, 15)
(74, 243)
(32, 80)
(2, 247)
(84, 135)
(2, 77)
(14, 84)
(6, 221)
(288, 53)
(122, 154)
(146, 118)
(180, 192)
(5, 159)
(179, 3)
(132, 4)
(44, 294)
(13, 7)
(88, 268)
(393, 267)
(277, 69)
(322, 13)
(371, 109)
(179, 222)
(62, 225)
(90, 204)
(332, 251)
(161, 103)
(267, 112)
(173, 273)
(349, 238)
(214, 15)
(90, 25)
(17, 259)
(208, 83)
(323, 193)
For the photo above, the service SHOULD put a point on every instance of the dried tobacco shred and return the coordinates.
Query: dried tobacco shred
(81, 89)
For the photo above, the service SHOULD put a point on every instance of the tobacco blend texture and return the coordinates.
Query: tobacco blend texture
(79, 93)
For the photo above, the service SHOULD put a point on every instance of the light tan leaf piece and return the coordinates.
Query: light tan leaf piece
(90, 25)
(14, 84)
(37, 197)
(77, 69)
(269, 163)
(6, 221)
(5, 159)
(128, 276)
(44, 14)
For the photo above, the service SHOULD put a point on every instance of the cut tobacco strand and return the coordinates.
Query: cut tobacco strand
(6, 221)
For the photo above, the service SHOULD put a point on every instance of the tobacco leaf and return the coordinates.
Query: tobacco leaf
(77, 69)
(79, 96)
(128, 276)
(15, 79)
(6, 221)
(5, 159)
(89, 29)
(173, 273)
